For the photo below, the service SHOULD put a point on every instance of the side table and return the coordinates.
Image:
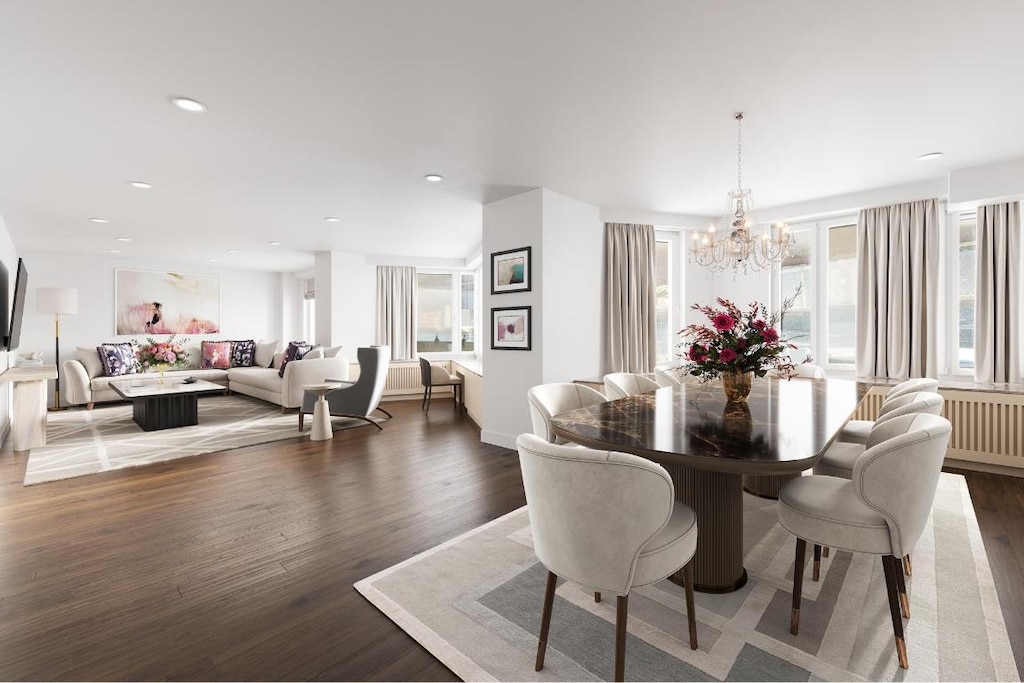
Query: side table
(321, 412)
(28, 423)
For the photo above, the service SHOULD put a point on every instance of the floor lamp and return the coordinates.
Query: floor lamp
(58, 301)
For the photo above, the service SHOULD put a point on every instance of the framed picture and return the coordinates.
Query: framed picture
(510, 271)
(510, 328)
(154, 302)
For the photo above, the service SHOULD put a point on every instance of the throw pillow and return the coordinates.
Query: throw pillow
(332, 352)
(216, 354)
(315, 352)
(118, 358)
(265, 353)
(90, 359)
(295, 351)
(243, 353)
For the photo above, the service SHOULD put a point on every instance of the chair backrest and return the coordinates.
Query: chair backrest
(667, 377)
(808, 371)
(424, 372)
(898, 476)
(911, 386)
(547, 400)
(592, 512)
(623, 384)
(907, 404)
(362, 397)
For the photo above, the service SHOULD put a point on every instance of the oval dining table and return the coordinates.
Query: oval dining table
(708, 445)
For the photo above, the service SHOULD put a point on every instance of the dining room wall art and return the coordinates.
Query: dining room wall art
(511, 328)
(154, 302)
(510, 271)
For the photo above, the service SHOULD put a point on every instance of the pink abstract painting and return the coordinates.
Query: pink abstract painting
(153, 302)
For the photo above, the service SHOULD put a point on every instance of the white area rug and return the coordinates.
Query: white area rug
(80, 442)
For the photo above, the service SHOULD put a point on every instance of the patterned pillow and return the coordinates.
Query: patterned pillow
(243, 353)
(118, 358)
(216, 354)
(296, 350)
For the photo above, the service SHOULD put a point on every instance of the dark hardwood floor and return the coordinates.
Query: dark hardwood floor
(239, 566)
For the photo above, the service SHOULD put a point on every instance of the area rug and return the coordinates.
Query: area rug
(81, 442)
(474, 603)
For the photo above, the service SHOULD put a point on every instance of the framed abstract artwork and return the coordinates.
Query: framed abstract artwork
(510, 328)
(510, 271)
(153, 302)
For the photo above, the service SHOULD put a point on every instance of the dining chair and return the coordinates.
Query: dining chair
(856, 431)
(808, 371)
(882, 510)
(435, 376)
(548, 400)
(667, 377)
(608, 521)
(622, 384)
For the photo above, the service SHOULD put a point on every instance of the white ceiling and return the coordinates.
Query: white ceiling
(331, 108)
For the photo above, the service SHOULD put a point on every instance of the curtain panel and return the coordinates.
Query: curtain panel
(629, 298)
(997, 299)
(396, 310)
(897, 290)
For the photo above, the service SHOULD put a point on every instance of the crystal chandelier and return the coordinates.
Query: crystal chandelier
(747, 246)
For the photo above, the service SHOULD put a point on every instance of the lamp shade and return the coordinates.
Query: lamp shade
(60, 300)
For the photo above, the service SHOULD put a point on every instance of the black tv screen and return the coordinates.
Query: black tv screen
(18, 307)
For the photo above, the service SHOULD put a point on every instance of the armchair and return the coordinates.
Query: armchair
(361, 398)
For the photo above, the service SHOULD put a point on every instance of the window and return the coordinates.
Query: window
(662, 301)
(446, 312)
(309, 309)
(967, 259)
(842, 295)
(796, 284)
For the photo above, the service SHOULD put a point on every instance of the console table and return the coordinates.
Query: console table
(28, 422)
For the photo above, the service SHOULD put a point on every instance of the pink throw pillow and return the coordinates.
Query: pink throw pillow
(216, 355)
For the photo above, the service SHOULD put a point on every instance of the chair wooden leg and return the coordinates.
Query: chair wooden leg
(816, 574)
(597, 596)
(545, 619)
(824, 551)
(302, 419)
(430, 395)
(798, 584)
(90, 405)
(423, 402)
(901, 586)
(891, 567)
(908, 569)
(691, 610)
(620, 637)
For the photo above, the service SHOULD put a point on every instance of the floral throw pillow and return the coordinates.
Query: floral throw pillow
(296, 350)
(216, 355)
(243, 353)
(118, 359)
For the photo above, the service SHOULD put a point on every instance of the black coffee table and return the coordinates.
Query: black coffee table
(165, 405)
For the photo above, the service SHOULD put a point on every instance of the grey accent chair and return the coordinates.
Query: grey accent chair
(435, 376)
(548, 400)
(608, 521)
(882, 510)
(360, 398)
(856, 431)
(667, 377)
(623, 384)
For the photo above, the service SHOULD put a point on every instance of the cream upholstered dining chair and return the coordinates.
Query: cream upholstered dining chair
(435, 376)
(623, 384)
(608, 521)
(667, 377)
(856, 431)
(808, 371)
(882, 510)
(548, 400)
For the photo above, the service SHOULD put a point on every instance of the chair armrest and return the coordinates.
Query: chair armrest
(77, 388)
(439, 375)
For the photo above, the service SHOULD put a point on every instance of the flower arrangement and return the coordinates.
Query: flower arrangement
(162, 355)
(736, 342)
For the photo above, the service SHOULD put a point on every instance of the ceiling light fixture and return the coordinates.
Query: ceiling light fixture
(123, 239)
(232, 251)
(929, 156)
(745, 246)
(212, 260)
(98, 220)
(139, 184)
(332, 219)
(274, 244)
(433, 178)
(188, 104)
(113, 251)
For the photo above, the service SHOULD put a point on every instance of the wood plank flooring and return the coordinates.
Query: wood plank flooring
(240, 565)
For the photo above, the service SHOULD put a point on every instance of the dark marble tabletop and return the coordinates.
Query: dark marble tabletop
(783, 427)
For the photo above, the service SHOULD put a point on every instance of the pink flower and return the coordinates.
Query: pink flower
(741, 344)
(694, 352)
(723, 322)
(727, 356)
(771, 335)
(759, 324)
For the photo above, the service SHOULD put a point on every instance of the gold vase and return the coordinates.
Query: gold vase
(736, 385)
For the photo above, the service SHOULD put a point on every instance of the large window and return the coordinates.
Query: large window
(662, 301)
(446, 312)
(468, 306)
(842, 294)
(967, 259)
(796, 284)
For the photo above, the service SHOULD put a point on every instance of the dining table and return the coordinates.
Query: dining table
(708, 445)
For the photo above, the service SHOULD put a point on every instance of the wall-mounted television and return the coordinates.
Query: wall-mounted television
(18, 306)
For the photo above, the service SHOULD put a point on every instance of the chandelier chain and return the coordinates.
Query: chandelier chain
(739, 151)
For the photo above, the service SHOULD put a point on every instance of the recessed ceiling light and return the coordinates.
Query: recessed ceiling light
(113, 251)
(139, 184)
(123, 239)
(274, 244)
(232, 251)
(98, 220)
(332, 219)
(188, 104)
(213, 260)
(929, 156)
(433, 178)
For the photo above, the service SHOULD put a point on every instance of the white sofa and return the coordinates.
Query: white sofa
(82, 389)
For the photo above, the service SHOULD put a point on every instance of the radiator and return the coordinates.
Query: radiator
(404, 378)
(987, 427)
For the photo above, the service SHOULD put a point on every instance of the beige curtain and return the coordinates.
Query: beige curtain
(897, 290)
(629, 298)
(396, 310)
(997, 301)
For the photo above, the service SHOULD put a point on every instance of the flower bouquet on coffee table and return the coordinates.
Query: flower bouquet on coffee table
(162, 355)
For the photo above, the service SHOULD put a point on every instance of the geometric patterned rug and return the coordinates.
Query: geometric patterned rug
(475, 601)
(80, 442)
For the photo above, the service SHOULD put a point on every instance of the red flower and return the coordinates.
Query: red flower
(770, 335)
(741, 344)
(759, 324)
(723, 322)
(694, 352)
(727, 356)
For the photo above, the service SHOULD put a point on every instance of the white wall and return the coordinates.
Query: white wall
(9, 257)
(346, 300)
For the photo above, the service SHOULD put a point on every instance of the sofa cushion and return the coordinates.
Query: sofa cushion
(216, 354)
(315, 352)
(118, 359)
(295, 351)
(243, 353)
(265, 353)
(332, 351)
(89, 357)
(263, 378)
